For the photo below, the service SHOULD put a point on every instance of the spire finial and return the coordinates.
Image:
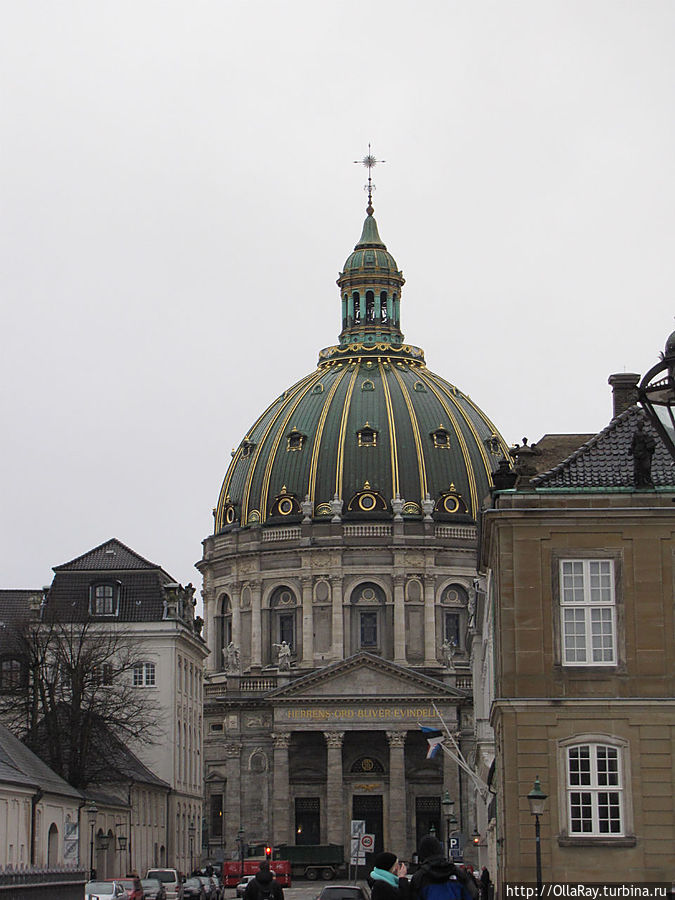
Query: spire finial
(369, 162)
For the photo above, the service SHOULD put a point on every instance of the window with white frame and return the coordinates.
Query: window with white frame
(594, 790)
(104, 600)
(144, 674)
(587, 612)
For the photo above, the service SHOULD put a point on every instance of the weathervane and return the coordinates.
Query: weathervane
(369, 162)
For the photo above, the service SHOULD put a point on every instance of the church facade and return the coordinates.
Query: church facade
(339, 587)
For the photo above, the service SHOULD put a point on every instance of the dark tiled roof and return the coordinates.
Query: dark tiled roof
(111, 555)
(141, 595)
(126, 765)
(19, 765)
(554, 448)
(605, 461)
(17, 605)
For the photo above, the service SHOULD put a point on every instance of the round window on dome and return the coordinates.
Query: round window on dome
(285, 506)
(367, 502)
(451, 504)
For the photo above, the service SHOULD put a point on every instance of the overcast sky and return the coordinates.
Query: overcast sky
(178, 195)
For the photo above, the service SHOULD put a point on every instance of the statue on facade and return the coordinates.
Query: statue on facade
(642, 450)
(449, 648)
(284, 656)
(198, 625)
(231, 654)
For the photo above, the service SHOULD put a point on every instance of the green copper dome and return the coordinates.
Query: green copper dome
(371, 433)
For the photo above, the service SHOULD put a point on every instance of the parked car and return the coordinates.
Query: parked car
(104, 890)
(153, 889)
(243, 884)
(193, 889)
(132, 893)
(171, 879)
(344, 892)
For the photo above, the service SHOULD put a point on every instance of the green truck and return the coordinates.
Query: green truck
(313, 861)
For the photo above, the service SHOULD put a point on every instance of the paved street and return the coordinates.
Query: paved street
(301, 890)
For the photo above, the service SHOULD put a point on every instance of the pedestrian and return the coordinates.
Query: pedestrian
(387, 879)
(264, 886)
(438, 878)
(485, 883)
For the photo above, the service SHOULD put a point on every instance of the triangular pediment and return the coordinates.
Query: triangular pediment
(364, 677)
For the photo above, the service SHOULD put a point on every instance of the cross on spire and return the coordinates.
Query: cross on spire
(369, 162)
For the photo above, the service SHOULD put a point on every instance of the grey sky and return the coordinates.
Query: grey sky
(178, 197)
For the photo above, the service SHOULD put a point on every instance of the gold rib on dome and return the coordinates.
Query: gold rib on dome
(293, 405)
(414, 421)
(292, 393)
(311, 487)
(460, 437)
(343, 429)
(480, 444)
(393, 449)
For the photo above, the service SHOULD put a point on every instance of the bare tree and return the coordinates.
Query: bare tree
(75, 703)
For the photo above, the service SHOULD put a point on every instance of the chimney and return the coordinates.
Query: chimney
(624, 391)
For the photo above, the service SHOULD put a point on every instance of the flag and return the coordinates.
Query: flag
(434, 738)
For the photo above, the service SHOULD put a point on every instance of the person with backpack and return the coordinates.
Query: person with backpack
(263, 886)
(438, 878)
(387, 879)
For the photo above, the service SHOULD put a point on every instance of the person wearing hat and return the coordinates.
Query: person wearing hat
(438, 878)
(387, 879)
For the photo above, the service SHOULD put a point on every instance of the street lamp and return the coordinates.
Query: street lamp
(191, 834)
(92, 812)
(656, 393)
(448, 806)
(240, 842)
(537, 800)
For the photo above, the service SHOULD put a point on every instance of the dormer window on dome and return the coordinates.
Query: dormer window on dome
(247, 448)
(441, 437)
(367, 501)
(367, 436)
(295, 440)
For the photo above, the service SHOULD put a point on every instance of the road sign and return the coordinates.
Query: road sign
(455, 846)
(356, 856)
(367, 843)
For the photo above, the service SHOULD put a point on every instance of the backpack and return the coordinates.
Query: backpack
(444, 890)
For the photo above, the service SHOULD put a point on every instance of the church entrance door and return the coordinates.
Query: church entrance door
(369, 808)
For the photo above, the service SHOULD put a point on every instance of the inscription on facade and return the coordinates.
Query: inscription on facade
(359, 713)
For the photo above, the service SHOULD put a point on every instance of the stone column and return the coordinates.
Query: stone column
(429, 621)
(335, 831)
(399, 619)
(256, 625)
(235, 599)
(281, 798)
(338, 640)
(307, 623)
(397, 799)
(232, 812)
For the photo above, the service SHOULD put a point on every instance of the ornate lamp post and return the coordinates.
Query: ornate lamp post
(656, 393)
(191, 834)
(448, 807)
(92, 812)
(537, 800)
(240, 843)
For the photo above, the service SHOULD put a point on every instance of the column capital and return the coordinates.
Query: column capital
(233, 749)
(334, 739)
(399, 579)
(282, 740)
(307, 580)
(396, 738)
(335, 579)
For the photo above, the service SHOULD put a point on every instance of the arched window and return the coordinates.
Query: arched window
(367, 601)
(356, 299)
(370, 306)
(225, 634)
(383, 307)
(595, 789)
(283, 612)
